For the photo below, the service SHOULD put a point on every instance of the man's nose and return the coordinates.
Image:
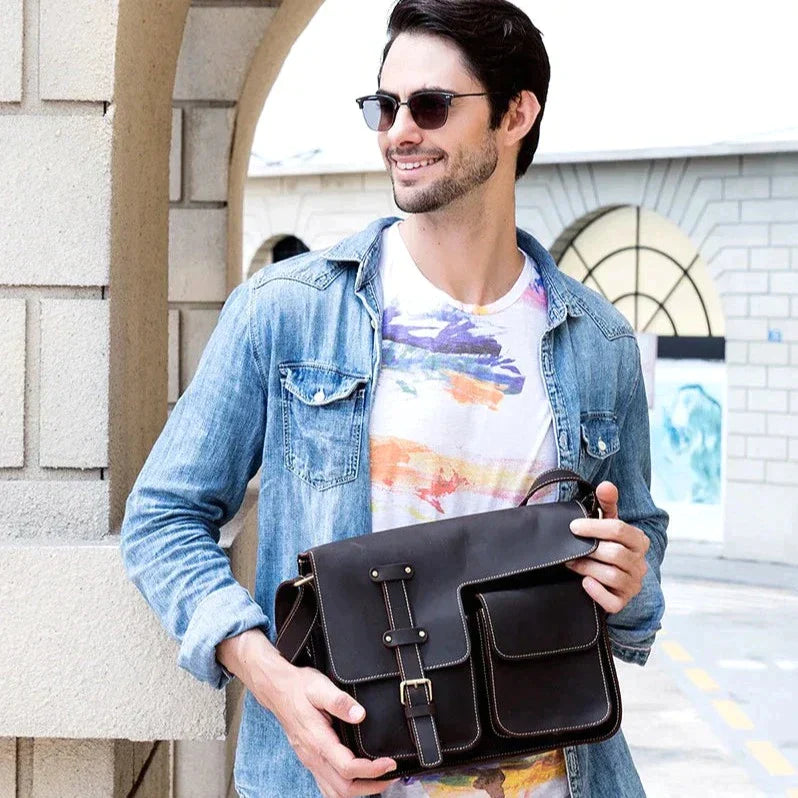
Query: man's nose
(404, 128)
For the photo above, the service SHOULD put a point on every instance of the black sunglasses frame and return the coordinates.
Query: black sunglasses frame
(446, 96)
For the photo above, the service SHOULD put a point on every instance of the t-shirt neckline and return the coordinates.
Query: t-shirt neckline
(502, 302)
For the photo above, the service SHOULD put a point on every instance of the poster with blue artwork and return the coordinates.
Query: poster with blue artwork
(687, 445)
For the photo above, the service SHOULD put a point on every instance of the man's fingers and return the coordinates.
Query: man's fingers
(607, 494)
(350, 767)
(324, 695)
(602, 596)
(612, 529)
(613, 553)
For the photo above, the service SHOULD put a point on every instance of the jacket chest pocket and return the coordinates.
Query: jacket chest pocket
(600, 440)
(323, 415)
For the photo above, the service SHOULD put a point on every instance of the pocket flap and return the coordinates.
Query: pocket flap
(543, 619)
(317, 384)
(600, 434)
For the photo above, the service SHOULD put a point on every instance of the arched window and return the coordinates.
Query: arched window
(288, 247)
(651, 271)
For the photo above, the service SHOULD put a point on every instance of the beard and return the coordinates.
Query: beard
(468, 170)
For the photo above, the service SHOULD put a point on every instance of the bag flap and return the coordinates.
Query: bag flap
(542, 619)
(317, 384)
(448, 557)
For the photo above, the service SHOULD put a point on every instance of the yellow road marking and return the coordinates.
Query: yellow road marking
(701, 679)
(771, 758)
(676, 651)
(732, 714)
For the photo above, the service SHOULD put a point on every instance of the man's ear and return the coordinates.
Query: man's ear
(520, 116)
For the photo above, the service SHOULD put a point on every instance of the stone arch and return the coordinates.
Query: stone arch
(265, 253)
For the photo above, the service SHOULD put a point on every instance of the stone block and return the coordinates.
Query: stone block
(769, 352)
(741, 423)
(73, 768)
(742, 282)
(770, 258)
(770, 306)
(735, 446)
(218, 45)
(73, 406)
(745, 470)
(785, 186)
(197, 254)
(176, 157)
(56, 195)
(62, 510)
(746, 187)
(783, 377)
(736, 352)
(12, 383)
(766, 448)
(8, 766)
(782, 473)
(767, 399)
(782, 424)
(735, 306)
(76, 49)
(209, 133)
(784, 233)
(746, 329)
(196, 327)
(90, 658)
(769, 210)
(11, 48)
(173, 357)
(786, 283)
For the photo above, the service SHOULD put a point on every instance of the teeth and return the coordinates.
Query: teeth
(408, 166)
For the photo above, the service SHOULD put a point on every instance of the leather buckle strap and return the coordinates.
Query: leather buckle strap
(391, 571)
(415, 689)
(404, 637)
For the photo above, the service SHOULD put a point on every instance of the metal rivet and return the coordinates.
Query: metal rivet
(387, 638)
(422, 633)
(408, 569)
(375, 573)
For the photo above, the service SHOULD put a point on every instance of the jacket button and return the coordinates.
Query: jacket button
(602, 446)
(319, 395)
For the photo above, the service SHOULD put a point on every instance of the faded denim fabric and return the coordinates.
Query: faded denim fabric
(286, 384)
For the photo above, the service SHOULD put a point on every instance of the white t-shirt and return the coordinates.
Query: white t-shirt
(461, 424)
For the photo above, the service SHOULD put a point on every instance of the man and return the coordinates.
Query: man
(420, 369)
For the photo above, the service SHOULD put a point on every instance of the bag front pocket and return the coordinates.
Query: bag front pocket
(323, 411)
(532, 639)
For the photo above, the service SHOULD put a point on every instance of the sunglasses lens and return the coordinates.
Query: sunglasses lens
(379, 112)
(429, 110)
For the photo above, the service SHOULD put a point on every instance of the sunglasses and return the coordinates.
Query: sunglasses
(429, 109)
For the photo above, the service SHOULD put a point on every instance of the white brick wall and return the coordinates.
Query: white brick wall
(12, 382)
(197, 254)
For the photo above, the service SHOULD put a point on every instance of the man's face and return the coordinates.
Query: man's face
(463, 150)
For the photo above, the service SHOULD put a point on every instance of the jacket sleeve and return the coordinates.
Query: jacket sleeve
(633, 629)
(192, 483)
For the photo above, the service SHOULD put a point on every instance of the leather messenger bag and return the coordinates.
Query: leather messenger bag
(465, 639)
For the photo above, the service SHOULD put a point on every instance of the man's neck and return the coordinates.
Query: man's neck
(470, 253)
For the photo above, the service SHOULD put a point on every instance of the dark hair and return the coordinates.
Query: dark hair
(501, 49)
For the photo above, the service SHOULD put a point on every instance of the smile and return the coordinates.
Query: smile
(414, 165)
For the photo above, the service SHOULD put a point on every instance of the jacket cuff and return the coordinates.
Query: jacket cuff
(637, 654)
(223, 613)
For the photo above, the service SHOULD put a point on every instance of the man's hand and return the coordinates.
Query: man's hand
(303, 701)
(613, 573)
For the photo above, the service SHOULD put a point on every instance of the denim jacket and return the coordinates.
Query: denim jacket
(286, 384)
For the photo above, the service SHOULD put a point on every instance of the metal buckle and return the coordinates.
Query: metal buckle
(413, 683)
(302, 580)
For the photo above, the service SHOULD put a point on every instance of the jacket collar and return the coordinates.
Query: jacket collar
(363, 248)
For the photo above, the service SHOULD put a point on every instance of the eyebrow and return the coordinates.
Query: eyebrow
(417, 91)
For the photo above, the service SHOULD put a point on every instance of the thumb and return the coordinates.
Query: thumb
(338, 703)
(607, 494)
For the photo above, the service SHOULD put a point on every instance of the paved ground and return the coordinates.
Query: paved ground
(714, 712)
